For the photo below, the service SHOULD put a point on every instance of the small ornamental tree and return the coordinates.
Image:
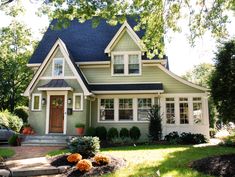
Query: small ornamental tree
(155, 123)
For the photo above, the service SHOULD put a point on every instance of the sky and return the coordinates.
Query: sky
(182, 57)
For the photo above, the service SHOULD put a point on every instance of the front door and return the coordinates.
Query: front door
(56, 114)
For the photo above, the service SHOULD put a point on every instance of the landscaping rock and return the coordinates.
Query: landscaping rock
(4, 173)
(223, 165)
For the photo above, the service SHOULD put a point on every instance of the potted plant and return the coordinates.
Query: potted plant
(80, 128)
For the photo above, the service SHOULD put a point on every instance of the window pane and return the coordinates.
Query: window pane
(184, 113)
(106, 109)
(77, 102)
(58, 67)
(197, 113)
(36, 102)
(197, 99)
(183, 99)
(125, 109)
(118, 64)
(144, 105)
(133, 64)
(170, 113)
(170, 99)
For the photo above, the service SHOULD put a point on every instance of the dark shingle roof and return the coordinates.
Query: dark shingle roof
(56, 83)
(83, 42)
(126, 87)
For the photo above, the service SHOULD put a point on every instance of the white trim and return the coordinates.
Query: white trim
(55, 88)
(126, 62)
(81, 101)
(39, 104)
(53, 67)
(94, 66)
(50, 77)
(125, 27)
(33, 64)
(180, 79)
(127, 83)
(58, 44)
(49, 94)
(152, 61)
(128, 91)
(93, 63)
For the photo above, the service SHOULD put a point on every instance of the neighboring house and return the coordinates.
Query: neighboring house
(102, 77)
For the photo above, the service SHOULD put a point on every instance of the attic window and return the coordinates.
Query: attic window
(58, 67)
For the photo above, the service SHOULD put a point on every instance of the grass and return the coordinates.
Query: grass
(166, 160)
(6, 152)
(57, 152)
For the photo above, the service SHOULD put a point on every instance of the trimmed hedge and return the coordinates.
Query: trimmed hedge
(124, 133)
(22, 112)
(112, 133)
(101, 132)
(91, 131)
(135, 133)
(10, 120)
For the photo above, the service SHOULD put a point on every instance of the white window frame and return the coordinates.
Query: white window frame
(198, 101)
(174, 102)
(126, 62)
(53, 67)
(74, 101)
(99, 118)
(144, 108)
(40, 102)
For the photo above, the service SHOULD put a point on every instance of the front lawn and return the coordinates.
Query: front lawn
(166, 160)
(6, 152)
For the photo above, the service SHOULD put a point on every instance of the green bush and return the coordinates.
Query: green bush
(173, 138)
(22, 112)
(10, 120)
(112, 133)
(87, 146)
(229, 140)
(190, 138)
(90, 131)
(101, 132)
(135, 133)
(155, 123)
(124, 133)
(13, 140)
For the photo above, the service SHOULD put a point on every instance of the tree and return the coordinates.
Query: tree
(223, 81)
(155, 123)
(15, 50)
(201, 74)
(156, 17)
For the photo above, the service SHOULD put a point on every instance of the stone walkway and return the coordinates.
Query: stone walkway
(25, 152)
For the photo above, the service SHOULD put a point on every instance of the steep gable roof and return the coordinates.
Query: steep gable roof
(83, 42)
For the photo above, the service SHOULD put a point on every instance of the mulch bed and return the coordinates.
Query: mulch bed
(223, 165)
(97, 170)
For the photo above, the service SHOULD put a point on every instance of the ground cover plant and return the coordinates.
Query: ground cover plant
(6, 152)
(168, 160)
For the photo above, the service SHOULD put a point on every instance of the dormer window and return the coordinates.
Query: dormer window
(58, 67)
(126, 63)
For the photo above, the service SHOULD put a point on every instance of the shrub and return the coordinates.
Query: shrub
(112, 133)
(22, 112)
(84, 165)
(189, 138)
(212, 132)
(102, 159)
(229, 140)
(101, 132)
(80, 125)
(90, 131)
(13, 140)
(86, 146)
(124, 133)
(173, 137)
(10, 120)
(74, 157)
(155, 123)
(135, 133)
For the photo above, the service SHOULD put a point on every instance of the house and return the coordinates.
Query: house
(102, 77)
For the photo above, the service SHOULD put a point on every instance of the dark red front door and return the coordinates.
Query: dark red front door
(56, 114)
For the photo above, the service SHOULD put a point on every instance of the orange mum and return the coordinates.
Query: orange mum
(74, 157)
(84, 165)
(102, 159)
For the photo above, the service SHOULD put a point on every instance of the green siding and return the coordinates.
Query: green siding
(126, 43)
(67, 70)
(38, 118)
(149, 74)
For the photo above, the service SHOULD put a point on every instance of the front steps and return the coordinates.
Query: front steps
(45, 140)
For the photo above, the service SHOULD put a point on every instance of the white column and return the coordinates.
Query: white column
(116, 109)
(177, 111)
(135, 107)
(190, 109)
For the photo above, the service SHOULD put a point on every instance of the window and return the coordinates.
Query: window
(170, 111)
(133, 64)
(184, 114)
(106, 109)
(36, 102)
(77, 101)
(125, 109)
(144, 105)
(197, 110)
(126, 64)
(58, 67)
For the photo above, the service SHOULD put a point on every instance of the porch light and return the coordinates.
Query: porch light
(69, 100)
(44, 101)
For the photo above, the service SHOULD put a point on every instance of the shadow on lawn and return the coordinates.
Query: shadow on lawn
(177, 163)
